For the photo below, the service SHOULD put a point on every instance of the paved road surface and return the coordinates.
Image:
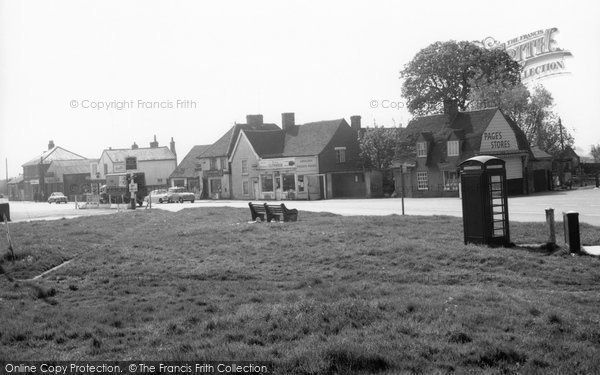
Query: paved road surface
(528, 208)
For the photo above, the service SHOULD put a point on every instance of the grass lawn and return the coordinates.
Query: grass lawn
(328, 294)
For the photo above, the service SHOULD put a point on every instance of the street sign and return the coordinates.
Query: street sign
(133, 187)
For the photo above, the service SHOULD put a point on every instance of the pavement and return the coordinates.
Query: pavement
(526, 208)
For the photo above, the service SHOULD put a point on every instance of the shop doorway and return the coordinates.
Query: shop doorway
(215, 188)
(316, 187)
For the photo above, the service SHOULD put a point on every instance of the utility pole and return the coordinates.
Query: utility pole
(562, 142)
(7, 189)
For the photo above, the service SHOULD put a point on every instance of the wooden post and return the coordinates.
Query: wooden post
(551, 226)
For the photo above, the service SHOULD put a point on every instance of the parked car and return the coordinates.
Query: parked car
(156, 196)
(57, 197)
(178, 194)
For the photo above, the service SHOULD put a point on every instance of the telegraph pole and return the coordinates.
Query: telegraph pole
(562, 142)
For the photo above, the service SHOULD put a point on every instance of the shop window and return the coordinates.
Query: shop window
(422, 181)
(245, 166)
(289, 183)
(179, 182)
(421, 149)
(245, 189)
(450, 181)
(340, 154)
(452, 148)
(300, 183)
(266, 182)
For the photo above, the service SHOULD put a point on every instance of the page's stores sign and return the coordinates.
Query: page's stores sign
(537, 52)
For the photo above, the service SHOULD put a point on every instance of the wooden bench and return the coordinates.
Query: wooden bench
(272, 212)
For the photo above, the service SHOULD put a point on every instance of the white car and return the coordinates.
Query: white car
(156, 196)
(57, 197)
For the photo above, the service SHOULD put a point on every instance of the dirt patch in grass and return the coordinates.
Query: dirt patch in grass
(328, 294)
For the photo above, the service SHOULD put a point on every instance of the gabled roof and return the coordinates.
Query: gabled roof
(55, 153)
(187, 167)
(224, 145)
(300, 140)
(142, 154)
(62, 167)
(468, 126)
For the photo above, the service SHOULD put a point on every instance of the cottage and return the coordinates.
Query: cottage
(443, 141)
(316, 160)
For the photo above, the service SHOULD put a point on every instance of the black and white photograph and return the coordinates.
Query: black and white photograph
(299, 187)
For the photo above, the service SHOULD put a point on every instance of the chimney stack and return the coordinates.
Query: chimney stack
(288, 120)
(155, 143)
(50, 145)
(254, 121)
(355, 123)
(173, 147)
(134, 146)
(450, 108)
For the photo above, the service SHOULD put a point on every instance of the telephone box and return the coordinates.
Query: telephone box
(484, 201)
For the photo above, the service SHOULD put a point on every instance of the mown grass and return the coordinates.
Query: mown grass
(328, 294)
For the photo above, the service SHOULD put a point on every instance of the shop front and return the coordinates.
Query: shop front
(288, 178)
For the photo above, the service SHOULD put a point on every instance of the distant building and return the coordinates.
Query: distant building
(441, 142)
(157, 163)
(317, 160)
(37, 184)
(187, 173)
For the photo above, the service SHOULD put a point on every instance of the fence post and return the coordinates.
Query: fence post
(551, 226)
(571, 223)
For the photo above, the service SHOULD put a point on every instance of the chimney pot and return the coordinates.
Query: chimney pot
(50, 145)
(154, 144)
(288, 120)
(134, 146)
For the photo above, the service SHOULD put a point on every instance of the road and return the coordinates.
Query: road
(527, 208)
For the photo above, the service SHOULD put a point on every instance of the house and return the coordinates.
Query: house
(36, 184)
(187, 173)
(566, 166)
(443, 141)
(316, 160)
(157, 163)
(213, 164)
(71, 177)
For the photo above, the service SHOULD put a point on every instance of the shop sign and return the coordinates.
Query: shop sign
(218, 173)
(280, 163)
(118, 167)
(498, 137)
(307, 165)
(537, 53)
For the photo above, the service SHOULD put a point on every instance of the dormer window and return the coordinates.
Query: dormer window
(421, 149)
(452, 148)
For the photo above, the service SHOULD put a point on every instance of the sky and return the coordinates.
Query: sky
(96, 74)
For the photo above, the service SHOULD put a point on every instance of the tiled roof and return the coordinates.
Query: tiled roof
(142, 154)
(224, 145)
(79, 166)
(187, 167)
(55, 153)
(469, 126)
(301, 140)
(538, 153)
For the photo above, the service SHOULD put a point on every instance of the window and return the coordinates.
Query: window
(300, 183)
(213, 164)
(340, 154)
(266, 182)
(421, 150)
(245, 190)
(452, 148)
(198, 166)
(130, 163)
(244, 166)
(224, 164)
(422, 181)
(159, 180)
(450, 181)
(105, 168)
(289, 183)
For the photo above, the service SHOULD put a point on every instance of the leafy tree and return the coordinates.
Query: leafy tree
(378, 146)
(450, 70)
(595, 151)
